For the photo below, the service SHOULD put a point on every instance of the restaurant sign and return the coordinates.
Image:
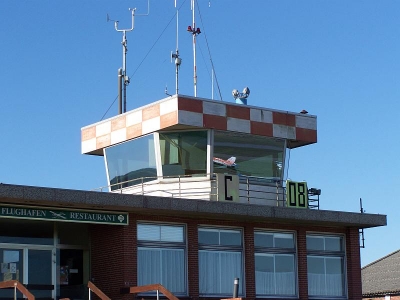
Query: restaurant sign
(63, 215)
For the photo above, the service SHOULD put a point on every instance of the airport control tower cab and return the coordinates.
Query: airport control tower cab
(194, 148)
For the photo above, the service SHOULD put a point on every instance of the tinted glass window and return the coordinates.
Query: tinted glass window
(183, 153)
(131, 163)
(249, 155)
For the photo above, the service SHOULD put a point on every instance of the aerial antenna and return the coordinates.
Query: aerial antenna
(194, 31)
(175, 55)
(123, 79)
(361, 231)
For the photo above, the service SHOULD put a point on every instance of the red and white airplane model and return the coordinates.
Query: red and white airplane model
(230, 162)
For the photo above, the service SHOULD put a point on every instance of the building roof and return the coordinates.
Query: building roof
(382, 277)
(64, 198)
(185, 112)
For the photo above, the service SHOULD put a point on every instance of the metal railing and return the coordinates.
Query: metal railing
(253, 190)
(17, 286)
(97, 291)
(152, 287)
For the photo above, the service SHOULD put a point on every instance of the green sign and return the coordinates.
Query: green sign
(296, 194)
(62, 215)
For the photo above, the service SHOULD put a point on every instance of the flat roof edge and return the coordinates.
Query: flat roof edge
(66, 198)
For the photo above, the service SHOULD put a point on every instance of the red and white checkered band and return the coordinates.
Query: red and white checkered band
(181, 112)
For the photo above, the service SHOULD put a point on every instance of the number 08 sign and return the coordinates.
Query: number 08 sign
(296, 194)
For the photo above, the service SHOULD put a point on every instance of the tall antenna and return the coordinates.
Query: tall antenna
(195, 31)
(123, 78)
(176, 55)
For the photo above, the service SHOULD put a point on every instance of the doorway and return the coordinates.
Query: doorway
(32, 267)
(71, 275)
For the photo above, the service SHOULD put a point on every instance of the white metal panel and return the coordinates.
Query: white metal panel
(118, 136)
(133, 118)
(283, 131)
(190, 118)
(103, 128)
(239, 125)
(216, 109)
(306, 122)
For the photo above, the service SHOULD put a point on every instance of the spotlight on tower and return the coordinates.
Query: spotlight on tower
(241, 98)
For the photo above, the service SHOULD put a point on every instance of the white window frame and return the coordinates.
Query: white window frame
(161, 244)
(275, 251)
(221, 249)
(326, 254)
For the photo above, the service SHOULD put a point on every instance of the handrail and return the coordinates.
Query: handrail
(152, 287)
(252, 189)
(17, 285)
(97, 291)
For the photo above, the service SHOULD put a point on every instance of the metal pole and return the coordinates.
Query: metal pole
(235, 287)
(15, 291)
(158, 296)
(124, 50)
(194, 52)
(177, 54)
(90, 294)
(120, 78)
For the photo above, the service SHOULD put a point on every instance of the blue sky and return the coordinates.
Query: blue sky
(338, 59)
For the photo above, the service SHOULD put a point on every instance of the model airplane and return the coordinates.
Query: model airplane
(230, 162)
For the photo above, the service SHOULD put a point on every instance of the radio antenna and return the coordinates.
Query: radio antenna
(194, 31)
(175, 55)
(123, 78)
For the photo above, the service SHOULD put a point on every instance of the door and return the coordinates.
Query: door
(11, 265)
(31, 267)
(72, 274)
(40, 273)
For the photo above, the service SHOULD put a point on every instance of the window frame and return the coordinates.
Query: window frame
(159, 164)
(324, 254)
(277, 251)
(105, 157)
(220, 249)
(167, 245)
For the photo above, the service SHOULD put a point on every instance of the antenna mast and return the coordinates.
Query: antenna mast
(122, 75)
(176, 55)
(195, 31)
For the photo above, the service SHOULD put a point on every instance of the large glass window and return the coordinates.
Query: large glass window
(275, 266)
(131, 162)
(326, 266)
(183, 153)
(220, 260)
(248, 155)
(161, 256)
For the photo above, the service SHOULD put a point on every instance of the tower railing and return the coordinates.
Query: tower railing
(252, 190)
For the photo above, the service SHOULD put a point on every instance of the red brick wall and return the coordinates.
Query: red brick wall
(353, 263)
(114, 255)
(302, 264)
(113, 258)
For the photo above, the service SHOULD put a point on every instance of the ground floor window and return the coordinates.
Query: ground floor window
(162, 256)
(326, 266)
(220, 260)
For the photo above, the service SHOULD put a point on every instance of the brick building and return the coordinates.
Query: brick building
(196, 198)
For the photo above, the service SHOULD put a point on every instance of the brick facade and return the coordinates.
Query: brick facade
(114, 255)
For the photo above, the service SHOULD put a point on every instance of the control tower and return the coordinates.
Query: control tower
(194, 148)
